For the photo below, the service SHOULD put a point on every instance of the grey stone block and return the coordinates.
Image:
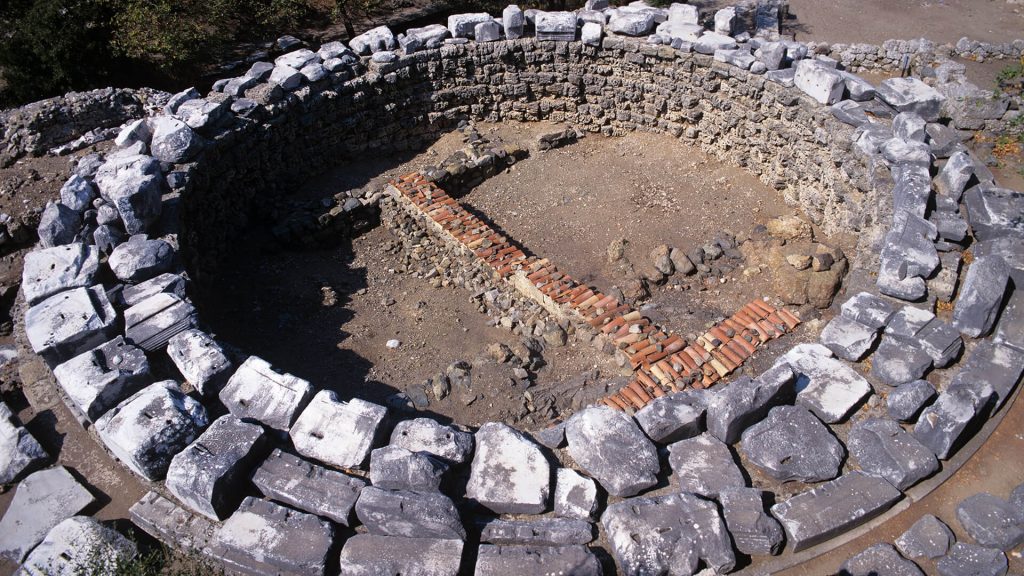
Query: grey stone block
(791, 444)
(552, 437)
(77, 544)
(703, 465)
(509, 473)
(942, 425)
(335, 432)
(1010, 329)
(970, 559)
(41, 501)
(258, 392)
(201, 114)
(19, 451)
(409, 514)
(152, 322)
(173, 140)
(905, 402)
(371, 555)
(394, 468)
(825, 386)
(753, 530)
(848, 339)
(463, 25)
(500, 560)
(164, 283)
(140, 259)
(909, 126)
(631, 23)
(266, 538)
(308, 487)
(981, 296)
(878, 560)
(834, 507)
(991, 521)
(575, 495)
(77, 193)
(147, 429)
(99, 379)
(513, 21)
(427, 435)
(994, 212)
(709, 42)
(671, 418)
(286, 77)
(133, 184)
(744, 402)
(489, 31)
(897, 362)
(373, 40)
(211, 474)
(912, 95)
(69, 323)
(820, 82)
(882, 448)
(48, 271)
(652, 535)
(929, 537)
(555, 26)
(954, 175)
(992, 366)
(200, 359)
(297, 58)
(939, 340)
(849, 112)
(609, 447)
(58, 225)
(539, 532)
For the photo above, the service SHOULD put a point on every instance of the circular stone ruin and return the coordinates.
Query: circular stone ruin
(685, 464)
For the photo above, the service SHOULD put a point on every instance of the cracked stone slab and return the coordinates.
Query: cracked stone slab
(753, 530)
(994, 366)
(835, 507)
(371, 555)
(929, 537)
(256, 391)
(301, 484)
(907, 400)
(912, 95)
(703, 465)
(200, 359)
(501, 560)
(69, 323)
(338, 433)
(610, 447)
(848, 339)
(744, 402)
(539, 532)
(48, 271)
(99, 379)
(427, 435)
(994, 212)
(19, 451)
(509, 474)
(78, 543)
(991, 521)
(792, 444)
(883, 448)
(942, 426)
(940, 340)
(878, 560)
(826, 386)
(409, 514)
(575, 495)
(41, 501)
(671, 418)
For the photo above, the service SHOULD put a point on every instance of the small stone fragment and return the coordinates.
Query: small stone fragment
(575, 495)
(929, 537)
(906, 401)
(753, 530)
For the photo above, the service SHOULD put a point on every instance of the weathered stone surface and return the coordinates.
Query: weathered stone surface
(684, 13)
(202, 114)
(371, 555)
(631, 23)
(77, 193)
(394, 468)
(75, 545)
(463, 25)
(267, 538)
(609, 446)
(825, 386)
(306, 486)
(258, 392)
(41, 501)
(297, 58)
(590, 34)
(200, 359)
(791, 444)
(48, 271)
(500, 560)
(652, 535)
(140, 259)
(173, 140)
(964, 559)
(164, 283)
(671, 418)
(513, 20)
(709, 42)
(848, 339)
(335, 432)
(286, 77)
(882, 448)
(909, 126)
(99, 379)
(427, 435)
(753, 530)
(868, 309)
(553, 436)
(19, 451)
(981, 296)
(133, 184)
(58, 225)
(834, 507)
(409, 514)
(151, 323)
(897, 362)
(991, 521)
(509, 473)
(879, 560)
(575, 495)
(994, 366)
(168, 522)
(921, 328)
(929, 537)
(912, 95)
(210, 475)
(994, 212)
(489, 31)
(905, 402)
(69, 323)
(151, 426)
(744, 402)
(954, 175)
(539, 532)
(704, 466)
(942, 425)
(555, 26)
(820, 82)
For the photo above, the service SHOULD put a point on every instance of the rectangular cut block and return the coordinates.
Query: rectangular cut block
(369, 555)
(152, 322)
(337, 433)
(100, 378)
(170, 523)
(200, 359)
(258, 392)
(42, 500)
(165, 283)
(304, 485)
(52, 270)
(839, 505)
(69, 323)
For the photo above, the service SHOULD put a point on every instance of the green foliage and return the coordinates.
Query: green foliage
(1010, 80)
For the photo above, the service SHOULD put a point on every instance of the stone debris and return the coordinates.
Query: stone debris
(991, 366)
(258, 392)
(671, 418)
(140, 259)
(500, 560)
(942, 425)
(991, 521)
(200, 359)
(262, 537)
(373, 40)
(209, 476)
(880, 559)
(58, 225)
(704, 466)
(69, 323)
(372, 555)
(929, 537)
(169, 283)
(575, 495)
(509, 474)
(826, 386)
(922, 329)
(173, 140)
(912, 95)
(882, 448)
(994, 212)
(897, 362)
(150, 324)
(133, 184)
(609, 446)
(394, 468)
(906, 401)
(791, 444)
(335, 432)
(652, 535)
(972, 559)
(19, 451)
(753, 530)
(427, 435)
(981, 296)
(848, 339)
(301, 484)
(745, 402)
(539, 532)
(834, 507)
(409, 514)
(76, 544)
(48, 271)
(99, 379)
(41, 501)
